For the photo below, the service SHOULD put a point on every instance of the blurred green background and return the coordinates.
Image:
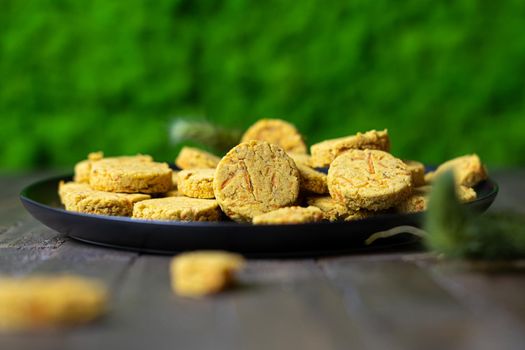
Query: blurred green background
(445, 77)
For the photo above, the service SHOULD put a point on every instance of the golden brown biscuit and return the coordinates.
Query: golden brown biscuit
(200, 273)
(255, 177)
(196, 183)
(83, 168)
(81, 198)
(289, 215)
(417, 170)
(194, 158)
(335, 211)
(45, 301)
(369, 179)
(468, 170)
(177, 209)
(418, 200)
(323, 153)
(301, 158)
(174, 179)
(130, 176)
(312, 180)
(277, 132)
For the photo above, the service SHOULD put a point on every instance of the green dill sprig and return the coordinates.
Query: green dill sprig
(203, 132)
(453, 230)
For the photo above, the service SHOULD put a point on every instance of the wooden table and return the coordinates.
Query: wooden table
(397, 300)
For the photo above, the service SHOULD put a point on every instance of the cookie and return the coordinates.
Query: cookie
(194, 158)
(277, 132)
(200, 273)
(177, 209)
(255, 177)
(289, 215)
(323, 153)
(83, 168)
(335, 211)
(196, 183)
(80, 197)
(301, 158)
(468, 170)
(417, 170)
(369, 179)
(312, 180)
(45, 302)
(131, 176)
(174, 179)
(418, 200)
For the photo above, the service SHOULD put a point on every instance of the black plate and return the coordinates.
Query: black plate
(41, 200)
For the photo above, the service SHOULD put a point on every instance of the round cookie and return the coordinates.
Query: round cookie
(369, 179)
(255, 177)
(468, 170)
(194, 158)
(289, 215)
(196, 183)
(417, 170)
(465, 194)
(178, 209)
(81, 198)
(324, 153)
(83, 167)
(335, 211)
(130, 176)
(46, 301)
(416, 202)
(301, 158)
(200, 273)
(277, 132)
(312, 180)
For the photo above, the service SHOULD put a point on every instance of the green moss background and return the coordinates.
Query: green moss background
(445, 77)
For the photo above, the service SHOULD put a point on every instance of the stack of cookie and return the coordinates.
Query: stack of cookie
(268, 178)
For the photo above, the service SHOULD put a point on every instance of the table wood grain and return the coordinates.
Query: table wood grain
(393, 300)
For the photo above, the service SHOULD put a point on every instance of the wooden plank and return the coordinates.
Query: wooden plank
(398, 305)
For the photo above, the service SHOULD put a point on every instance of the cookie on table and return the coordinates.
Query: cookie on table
(83, 167)
(335, 211)
(277, 132)
(312, 180)
(289, 215)
(130, 176)
(196, 183)
(255, 177)
(417, 170)
(369, 179)
(323, 153)
(201, 273)
(193, 158)
(45, 302)
(177, 209)
(80, 197)
(468, 170)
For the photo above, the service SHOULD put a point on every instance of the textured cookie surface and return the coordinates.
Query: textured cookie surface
(83, 167)
(130, 176)
(335, 211)
(45, 301)
(193, 158)
(255, 177)
(301, 158)
(417, 170)
(323, 153)
(312, 180)
(289, 215)
(278, 132)
(468, 170)
(369, 179)
(196, 183)
(418, 200)
(201, 273)
(82, 198)
(177, 209)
